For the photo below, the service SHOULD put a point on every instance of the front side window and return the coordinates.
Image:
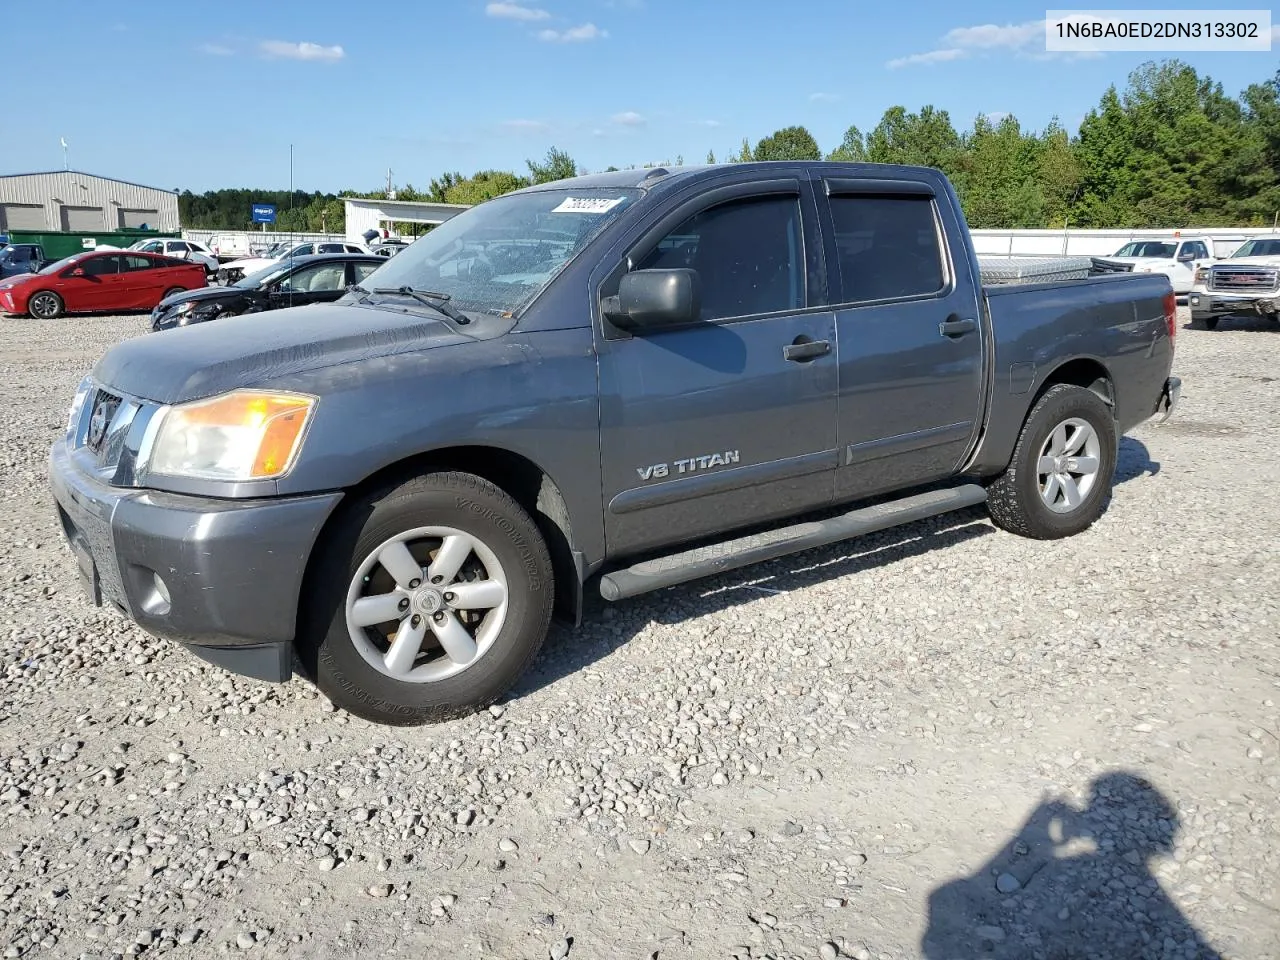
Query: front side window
(1258, 248)
(887, 248)
(749, 256)
(497, 256)
(103, 266)
(322, 278)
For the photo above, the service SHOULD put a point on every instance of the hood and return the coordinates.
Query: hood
(204, 294)
(14, 280)
(1249, 262)
(188, 363)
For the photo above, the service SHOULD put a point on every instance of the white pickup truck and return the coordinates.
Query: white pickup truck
(1178, 258)
(1247, 282)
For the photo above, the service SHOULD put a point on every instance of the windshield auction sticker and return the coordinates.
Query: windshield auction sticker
(1115, 31)
(587, 205)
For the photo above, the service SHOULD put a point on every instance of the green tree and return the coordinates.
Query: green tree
(852, 149)
(744, 155)
(789, 143)
(557, 165)
(926, 138)
(485, 185)
(711, 156)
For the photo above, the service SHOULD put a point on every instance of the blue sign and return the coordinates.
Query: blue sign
(264, 213)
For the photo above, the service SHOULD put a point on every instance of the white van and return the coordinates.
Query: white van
(229, 246)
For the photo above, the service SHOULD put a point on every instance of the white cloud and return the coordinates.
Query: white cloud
(514, 11)
(933, 56)
(1022, 40)
(216, 50)
(579, 34)
(990, 36)
(287, 50)
(629, 118)
(823, 97)
(529, 126)
(707, 123)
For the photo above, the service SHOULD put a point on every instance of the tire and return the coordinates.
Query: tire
(172, 291)
(423, 684)
(1209, 323)
(45, 305)
(1018, 499)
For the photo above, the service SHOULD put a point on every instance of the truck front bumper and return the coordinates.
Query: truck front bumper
(1225, 304)
(222, 577)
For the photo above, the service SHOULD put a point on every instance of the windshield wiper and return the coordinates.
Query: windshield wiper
(437, 301)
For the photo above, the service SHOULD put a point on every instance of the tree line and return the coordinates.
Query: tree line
(1170, 149)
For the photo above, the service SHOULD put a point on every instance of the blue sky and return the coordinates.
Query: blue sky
(200, 95)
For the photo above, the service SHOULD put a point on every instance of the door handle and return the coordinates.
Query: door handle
(802, 350)
(957, 328)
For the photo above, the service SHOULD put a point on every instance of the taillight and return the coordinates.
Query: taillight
(1171, 314)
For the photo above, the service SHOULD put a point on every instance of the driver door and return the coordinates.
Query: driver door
(730, 420)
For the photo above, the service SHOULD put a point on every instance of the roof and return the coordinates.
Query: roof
(81, 173)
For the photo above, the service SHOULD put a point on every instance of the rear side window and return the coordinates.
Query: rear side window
(144, 263)
(748, 253)
(887, 247)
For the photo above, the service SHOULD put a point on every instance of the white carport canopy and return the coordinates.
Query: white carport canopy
(364, 215)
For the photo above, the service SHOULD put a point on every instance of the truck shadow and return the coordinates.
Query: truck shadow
(1134, 460)
(606, 627)
(1071, 883)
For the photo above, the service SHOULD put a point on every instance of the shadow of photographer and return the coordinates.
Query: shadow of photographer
(1073, 884)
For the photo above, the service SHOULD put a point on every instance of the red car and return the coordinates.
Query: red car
(100, 280)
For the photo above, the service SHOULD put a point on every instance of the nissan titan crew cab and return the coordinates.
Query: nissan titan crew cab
(619, 382)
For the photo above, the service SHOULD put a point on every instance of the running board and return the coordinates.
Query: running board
(718, 557)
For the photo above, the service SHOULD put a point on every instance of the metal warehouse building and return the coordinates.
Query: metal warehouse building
(74, 201)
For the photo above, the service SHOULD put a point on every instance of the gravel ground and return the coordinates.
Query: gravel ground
(941, 741)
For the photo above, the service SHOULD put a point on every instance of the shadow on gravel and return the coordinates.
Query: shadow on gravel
(1071, 885)
(1134, 460)
(606, 627)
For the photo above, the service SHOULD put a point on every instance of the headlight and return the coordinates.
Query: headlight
(77, 404)
(1202, 274)
(242, 435)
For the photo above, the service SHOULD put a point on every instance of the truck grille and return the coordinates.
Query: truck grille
(104, 409)
(104, 441)
(1242, 279)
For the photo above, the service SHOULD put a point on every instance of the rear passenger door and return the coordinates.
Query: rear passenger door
(912, 376)
(730, 420)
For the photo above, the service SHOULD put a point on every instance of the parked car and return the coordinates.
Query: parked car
(321, 278)
(99, 281)
(191, 250)
(388, 248)
(237, 269)
(1247, 282)
(229, 246)
(606, 380)
(1178, 259)
(19, 258)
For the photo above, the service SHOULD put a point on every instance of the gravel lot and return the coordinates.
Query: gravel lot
(1018, 749)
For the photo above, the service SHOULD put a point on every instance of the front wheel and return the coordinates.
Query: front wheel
(45, 305)
(429, 601)
(1059, 478)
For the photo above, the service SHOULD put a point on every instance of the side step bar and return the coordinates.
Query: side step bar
(718, 557)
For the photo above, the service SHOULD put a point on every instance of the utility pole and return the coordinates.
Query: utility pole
(66, 164)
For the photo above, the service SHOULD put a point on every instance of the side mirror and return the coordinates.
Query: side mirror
(655, 298)
(1186, 257)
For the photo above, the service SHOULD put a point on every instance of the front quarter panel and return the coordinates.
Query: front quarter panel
(532, 394)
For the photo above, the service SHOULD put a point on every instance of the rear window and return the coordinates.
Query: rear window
(887, 248)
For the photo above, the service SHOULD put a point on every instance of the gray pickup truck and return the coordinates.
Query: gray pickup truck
(628, 380)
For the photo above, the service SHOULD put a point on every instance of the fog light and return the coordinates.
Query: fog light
(1195, 301)
(157, 601)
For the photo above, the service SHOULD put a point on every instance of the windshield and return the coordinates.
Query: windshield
(61, 264)
(1259, 248)
(1147, 248)
(261, 278)
(498, 255)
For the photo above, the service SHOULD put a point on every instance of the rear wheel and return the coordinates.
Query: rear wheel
(1059, 478)
(45, 305)
(429, 601)
(1209, 323)
(173, 291)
